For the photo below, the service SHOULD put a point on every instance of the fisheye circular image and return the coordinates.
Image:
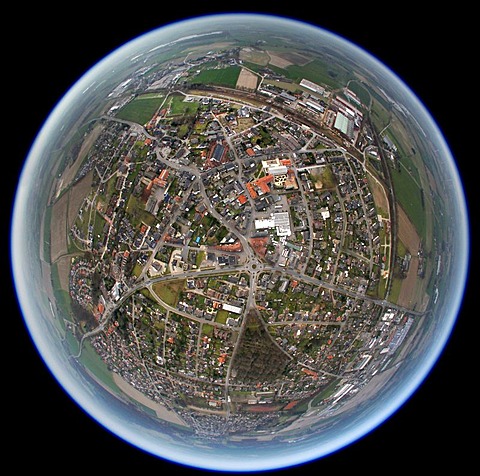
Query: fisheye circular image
(240, 242)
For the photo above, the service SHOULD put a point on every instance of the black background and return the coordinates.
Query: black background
(50, 49)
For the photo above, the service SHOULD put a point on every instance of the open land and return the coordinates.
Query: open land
(59, 228)
(409, 237)
(247, 80)
(72, 169)
(162, 412)
(64, 213)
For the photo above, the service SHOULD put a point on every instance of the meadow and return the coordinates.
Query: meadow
(141, 109)
(218, 77)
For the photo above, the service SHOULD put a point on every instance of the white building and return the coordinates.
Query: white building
(278, 170)
(312, 86)
(344, 124)
(264, 224)
(279, 220)
(282, 223)
(230, 308)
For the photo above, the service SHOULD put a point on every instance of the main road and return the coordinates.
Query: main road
(252, 265)
(253, 270)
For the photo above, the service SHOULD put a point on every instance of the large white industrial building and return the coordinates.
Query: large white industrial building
(279, 220)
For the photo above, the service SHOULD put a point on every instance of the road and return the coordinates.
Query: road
(252, 265)
(251, 268)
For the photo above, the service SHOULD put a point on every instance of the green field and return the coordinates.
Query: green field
(169, 292)
(99, 224)
(407, 181)
(178, 106)
(361, 92)
(221, 77)
(47, 223)
(62, 297)
(395, 290)
(138, 214)
(141, 109)
(222, 316)
(406, 172)
(200, 258)
(319, 72)
(97, 366)
(380, 114)
(409, 195)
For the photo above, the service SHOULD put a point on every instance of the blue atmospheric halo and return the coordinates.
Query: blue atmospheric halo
(176, 435)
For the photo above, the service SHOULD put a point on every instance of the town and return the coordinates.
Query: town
(232, 251)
